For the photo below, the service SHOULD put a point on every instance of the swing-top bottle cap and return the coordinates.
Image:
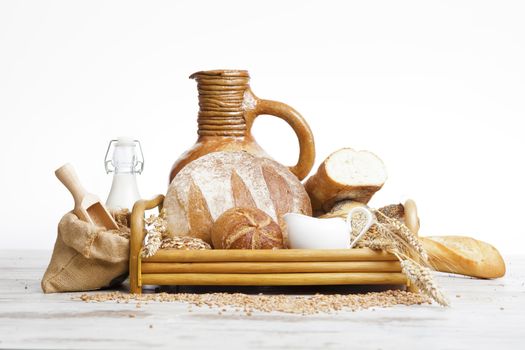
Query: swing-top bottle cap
(123, 156)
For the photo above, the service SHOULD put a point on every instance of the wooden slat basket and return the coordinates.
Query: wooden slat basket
(255, 267)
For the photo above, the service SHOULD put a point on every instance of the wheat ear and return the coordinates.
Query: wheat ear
(422, 277)
(403, 231)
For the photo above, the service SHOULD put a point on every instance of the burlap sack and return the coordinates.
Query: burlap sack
(86, 257)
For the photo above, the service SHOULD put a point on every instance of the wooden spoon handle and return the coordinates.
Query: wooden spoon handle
(67, 175)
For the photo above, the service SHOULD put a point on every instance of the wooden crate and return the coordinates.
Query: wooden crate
(255, 267)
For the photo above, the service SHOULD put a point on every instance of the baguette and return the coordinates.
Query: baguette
(464, 256)
(345, 175)
(455, 254)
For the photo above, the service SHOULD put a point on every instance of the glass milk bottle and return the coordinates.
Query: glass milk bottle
(124, 159)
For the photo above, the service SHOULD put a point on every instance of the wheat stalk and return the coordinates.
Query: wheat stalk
(391, 235)
(422, 277)
(400, 229)
(157, 237)
(156, 227)
(152, 244)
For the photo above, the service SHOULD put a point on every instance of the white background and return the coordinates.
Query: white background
(436, 89)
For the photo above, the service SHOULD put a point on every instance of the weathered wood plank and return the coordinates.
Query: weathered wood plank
(485, 314)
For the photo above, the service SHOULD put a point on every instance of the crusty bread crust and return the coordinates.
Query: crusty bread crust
(216, 182)
(464, 255)
(246, 228)
(324, 191)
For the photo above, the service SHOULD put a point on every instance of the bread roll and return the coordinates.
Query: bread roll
(216, 182)
(464, 256)
(246, 228)
(345, 174)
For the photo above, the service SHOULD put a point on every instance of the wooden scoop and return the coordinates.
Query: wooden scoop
(87, 206)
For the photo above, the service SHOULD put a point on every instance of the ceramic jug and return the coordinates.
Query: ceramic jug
(228, 108)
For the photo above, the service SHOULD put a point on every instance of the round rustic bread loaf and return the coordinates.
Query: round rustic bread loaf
(216, 182)
(246, 228)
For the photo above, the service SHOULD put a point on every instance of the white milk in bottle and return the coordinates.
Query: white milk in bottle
(124, 159)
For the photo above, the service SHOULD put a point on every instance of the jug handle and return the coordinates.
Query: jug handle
(298, 124)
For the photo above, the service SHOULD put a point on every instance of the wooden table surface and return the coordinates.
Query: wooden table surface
(485, 314)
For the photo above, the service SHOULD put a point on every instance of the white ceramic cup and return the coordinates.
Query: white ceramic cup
(306, 232)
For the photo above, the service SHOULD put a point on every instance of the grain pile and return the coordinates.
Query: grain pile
(248, 303)
(122, 218)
